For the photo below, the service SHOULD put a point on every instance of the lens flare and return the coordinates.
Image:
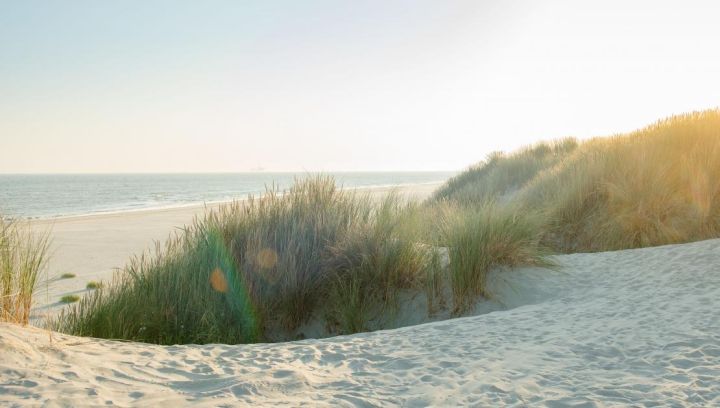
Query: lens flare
(218, 281)
(227, 279)
(267, 258)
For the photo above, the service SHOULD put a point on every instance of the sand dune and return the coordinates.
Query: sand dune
(635, 327)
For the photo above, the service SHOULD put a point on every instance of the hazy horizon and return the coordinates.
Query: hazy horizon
(226, 87)
(160, 173)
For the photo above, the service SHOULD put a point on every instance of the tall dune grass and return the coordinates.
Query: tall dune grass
(502, 174)
(479, 239)
(258, 270)
(370, 265)
(658, 185)
(23, 256)
(260, 267)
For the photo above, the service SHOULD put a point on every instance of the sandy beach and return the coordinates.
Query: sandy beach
(626, 328)
(92, 247)
(197, 204)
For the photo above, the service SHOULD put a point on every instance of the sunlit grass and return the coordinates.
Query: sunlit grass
(479, 239)
(22, 259)
(370, 264)
(259, 270)
(501, 175)
(659, 185)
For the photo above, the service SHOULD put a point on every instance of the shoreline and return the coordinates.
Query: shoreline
(205, 204)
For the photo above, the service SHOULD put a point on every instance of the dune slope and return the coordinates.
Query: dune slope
(637, 326)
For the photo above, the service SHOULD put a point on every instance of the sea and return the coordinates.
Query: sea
(34, 196)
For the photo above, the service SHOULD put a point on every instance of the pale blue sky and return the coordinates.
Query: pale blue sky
(170, 86)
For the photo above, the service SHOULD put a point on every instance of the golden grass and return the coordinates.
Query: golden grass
(658, 185)
(23, 256)
(479, 239)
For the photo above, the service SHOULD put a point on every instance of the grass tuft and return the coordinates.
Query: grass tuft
(479, 239)
(23, 256)
(94, 285)
(69, 299)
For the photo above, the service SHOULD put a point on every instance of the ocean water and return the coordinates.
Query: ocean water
(47, 196)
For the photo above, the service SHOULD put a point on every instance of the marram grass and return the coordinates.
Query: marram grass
(503, 174)
(655, 186)
(258, 270)
(264, 266)
(23, 256)
(479, 239)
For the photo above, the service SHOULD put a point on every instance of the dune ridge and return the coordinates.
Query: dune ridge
(633, 327)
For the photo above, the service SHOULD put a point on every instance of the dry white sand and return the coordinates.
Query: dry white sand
(93, 247)
(628, 328)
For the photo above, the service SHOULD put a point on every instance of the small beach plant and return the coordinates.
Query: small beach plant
(69, 299)
(93, 285)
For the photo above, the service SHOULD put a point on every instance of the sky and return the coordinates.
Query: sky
(233, 86)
